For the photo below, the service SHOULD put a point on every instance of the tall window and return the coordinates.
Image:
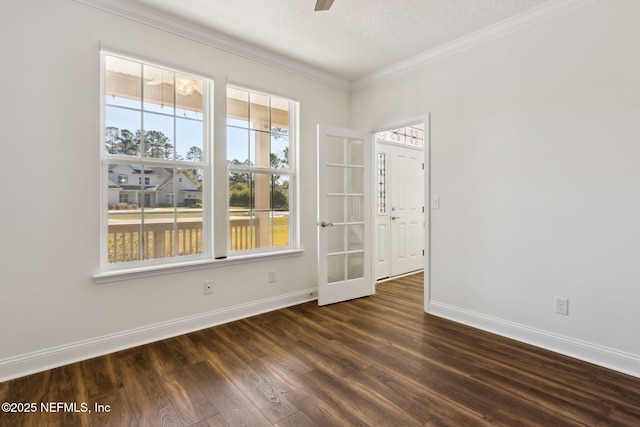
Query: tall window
(260, 132)
(158, 181)
(155, 135)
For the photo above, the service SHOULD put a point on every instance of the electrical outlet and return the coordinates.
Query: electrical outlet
(208, 287)
(561, 305)
(272, 276)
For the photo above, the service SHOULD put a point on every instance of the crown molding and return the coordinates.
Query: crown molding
(191, 31)
(532, 17)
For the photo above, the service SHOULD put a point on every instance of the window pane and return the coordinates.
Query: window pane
(355, 208)
(262, 191)
(238, 107)
(281, 228)
(335, 209)
(335, 239)
(241, 220)
(355, 237)
(335, 150)
(335, 268)
(188, 94)
(189, 140)
(280, 193)
(159, 230)
(335, 179)
(158, 136)
(122, 131)
(123, 82)
(259, 150)
(355, 152)
(158, 90)
(279, 116)
(259, 110)
(124, 241)
(237, 146)
(279, 151)
(355, 265)
(187, 187)
(355, 180)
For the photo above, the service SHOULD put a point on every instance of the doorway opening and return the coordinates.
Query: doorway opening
(400, 204)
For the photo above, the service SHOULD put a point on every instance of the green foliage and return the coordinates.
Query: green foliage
(156, 144)
(240, 195)
(192, 203)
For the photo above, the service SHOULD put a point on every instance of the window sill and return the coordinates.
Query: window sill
(160, 270)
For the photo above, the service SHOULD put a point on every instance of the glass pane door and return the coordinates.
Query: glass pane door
(344, 236)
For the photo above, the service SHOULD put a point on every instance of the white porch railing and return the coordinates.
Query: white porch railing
(161, 236)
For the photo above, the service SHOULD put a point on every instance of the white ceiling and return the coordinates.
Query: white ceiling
(355, 37)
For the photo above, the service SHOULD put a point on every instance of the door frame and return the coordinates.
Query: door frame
(387, 147)
(426, 119)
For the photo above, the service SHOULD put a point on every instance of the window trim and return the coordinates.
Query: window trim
(107, 268)
(110, 276)
(215, 192)
(292, 173)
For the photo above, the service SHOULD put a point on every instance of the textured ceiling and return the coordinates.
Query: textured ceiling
(355, 37)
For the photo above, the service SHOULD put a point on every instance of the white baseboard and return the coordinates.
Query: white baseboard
(582, 350)
(38, 361)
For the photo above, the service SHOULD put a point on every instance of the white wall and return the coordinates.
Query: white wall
(535, 154)
(51, 311)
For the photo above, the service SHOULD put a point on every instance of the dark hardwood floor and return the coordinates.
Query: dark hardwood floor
(374, 361)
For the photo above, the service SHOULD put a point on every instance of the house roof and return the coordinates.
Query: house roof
(135, 169)
(169, 179)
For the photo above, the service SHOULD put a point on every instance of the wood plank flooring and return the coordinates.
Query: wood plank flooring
(376, 361)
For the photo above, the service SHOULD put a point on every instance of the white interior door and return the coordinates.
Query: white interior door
(382, 265)
(344, 215)
(406, 195)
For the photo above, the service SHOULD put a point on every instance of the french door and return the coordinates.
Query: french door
(344, 215)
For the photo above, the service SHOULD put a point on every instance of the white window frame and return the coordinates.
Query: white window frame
(292, 172)
(148, 162)
(215, 194)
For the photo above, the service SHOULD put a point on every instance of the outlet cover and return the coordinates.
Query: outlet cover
(208, 287)
(561, 305)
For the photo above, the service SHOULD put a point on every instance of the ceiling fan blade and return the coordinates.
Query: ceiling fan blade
(323, 4)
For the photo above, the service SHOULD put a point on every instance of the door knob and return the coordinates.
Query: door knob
(393, 218)
(326, 224)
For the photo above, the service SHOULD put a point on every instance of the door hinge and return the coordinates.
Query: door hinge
(423, 209)
(423, 252)
(423, 166)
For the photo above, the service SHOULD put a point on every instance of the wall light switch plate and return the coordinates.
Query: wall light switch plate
(435, 202)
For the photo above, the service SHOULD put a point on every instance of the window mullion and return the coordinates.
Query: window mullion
(220, 180)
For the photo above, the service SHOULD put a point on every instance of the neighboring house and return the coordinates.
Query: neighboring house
(182, 188)
(126, 184)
